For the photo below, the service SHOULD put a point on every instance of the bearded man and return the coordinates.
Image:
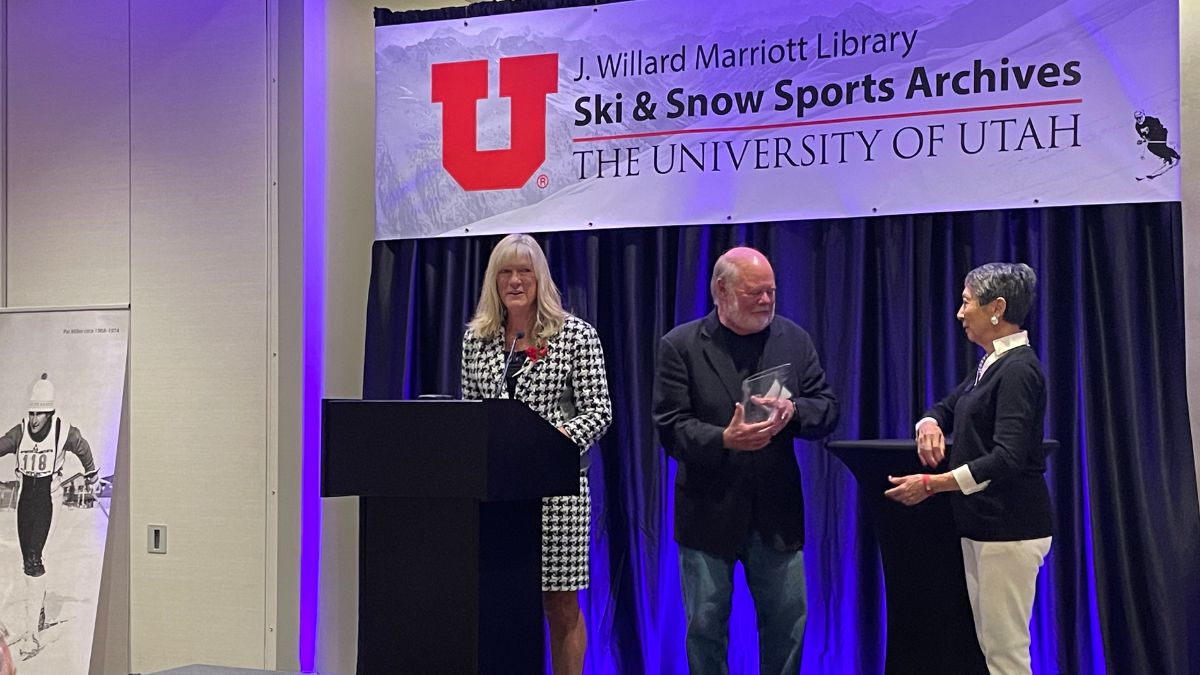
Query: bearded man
(737, 490)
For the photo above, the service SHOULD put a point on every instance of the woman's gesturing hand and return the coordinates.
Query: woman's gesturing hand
(931, 444)
(910, 490)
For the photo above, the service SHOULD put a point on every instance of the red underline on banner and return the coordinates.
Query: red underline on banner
(838, 120)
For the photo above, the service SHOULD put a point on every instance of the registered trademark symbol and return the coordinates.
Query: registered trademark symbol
(543, 180)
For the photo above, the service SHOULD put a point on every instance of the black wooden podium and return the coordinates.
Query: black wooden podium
(930, 629)
(449, 529)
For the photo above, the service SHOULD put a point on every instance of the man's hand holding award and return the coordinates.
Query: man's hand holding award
(766, 408)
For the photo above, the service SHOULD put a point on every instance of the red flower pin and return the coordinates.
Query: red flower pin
(535, 353)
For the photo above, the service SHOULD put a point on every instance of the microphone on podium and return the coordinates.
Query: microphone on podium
(507, 359)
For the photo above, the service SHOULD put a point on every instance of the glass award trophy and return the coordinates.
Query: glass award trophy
(761, 390)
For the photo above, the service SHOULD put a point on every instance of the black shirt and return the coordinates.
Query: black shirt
(1151, 129)
(512, 368)
(745, 350)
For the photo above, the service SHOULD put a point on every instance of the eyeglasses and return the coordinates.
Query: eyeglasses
(756, 293)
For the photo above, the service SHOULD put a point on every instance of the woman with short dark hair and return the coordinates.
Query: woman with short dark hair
(997, 464)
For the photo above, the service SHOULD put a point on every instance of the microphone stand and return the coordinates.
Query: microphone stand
(504, 369)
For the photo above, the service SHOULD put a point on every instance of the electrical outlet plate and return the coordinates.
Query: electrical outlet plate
(156, 538)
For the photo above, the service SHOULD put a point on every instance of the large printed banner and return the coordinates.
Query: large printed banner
(673, 112)
(62, 379)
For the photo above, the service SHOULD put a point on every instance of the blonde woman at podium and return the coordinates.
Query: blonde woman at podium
(999, 498)
(523, 345)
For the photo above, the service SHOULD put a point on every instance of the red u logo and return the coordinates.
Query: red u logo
(458, 86)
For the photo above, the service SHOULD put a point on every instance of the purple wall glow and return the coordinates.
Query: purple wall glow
(314, 317)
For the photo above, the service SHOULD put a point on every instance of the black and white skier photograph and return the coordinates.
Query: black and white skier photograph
(62, 378)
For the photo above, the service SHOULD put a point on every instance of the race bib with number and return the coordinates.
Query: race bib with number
(37, 461)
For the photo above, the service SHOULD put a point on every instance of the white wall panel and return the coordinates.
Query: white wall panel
(290, 333)
(199, 288)
(1189, 47)
(68, 152)
(110, 639)
(349, 230)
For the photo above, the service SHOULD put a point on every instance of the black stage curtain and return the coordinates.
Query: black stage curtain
(1119, 591)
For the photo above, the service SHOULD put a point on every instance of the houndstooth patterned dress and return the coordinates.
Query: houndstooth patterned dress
(568, 388)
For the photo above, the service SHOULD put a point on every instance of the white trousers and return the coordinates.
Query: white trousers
(1001, 584)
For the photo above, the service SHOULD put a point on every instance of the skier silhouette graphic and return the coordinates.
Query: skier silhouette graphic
(1153, 135)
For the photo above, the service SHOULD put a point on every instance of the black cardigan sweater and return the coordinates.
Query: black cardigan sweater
(997, 432)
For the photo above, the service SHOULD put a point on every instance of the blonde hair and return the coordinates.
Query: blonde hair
(490, 314)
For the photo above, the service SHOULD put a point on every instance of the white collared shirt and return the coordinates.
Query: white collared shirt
(1004, 344)
(962, 475)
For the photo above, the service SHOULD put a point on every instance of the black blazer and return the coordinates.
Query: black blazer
(997, 432)
(720, 493)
